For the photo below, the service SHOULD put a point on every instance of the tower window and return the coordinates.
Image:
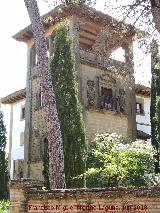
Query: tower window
(39, 100)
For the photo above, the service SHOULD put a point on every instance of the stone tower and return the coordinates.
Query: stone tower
(106, 86)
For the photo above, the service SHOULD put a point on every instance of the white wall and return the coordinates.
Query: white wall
(143, 121)
(17, 151)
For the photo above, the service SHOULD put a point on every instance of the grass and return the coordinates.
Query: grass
(4, 206)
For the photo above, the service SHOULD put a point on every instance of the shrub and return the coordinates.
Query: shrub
(63, 72)
(4, 206)
(115, 161)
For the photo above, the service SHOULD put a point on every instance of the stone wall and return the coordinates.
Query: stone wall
(38, 132)
(91, 78)
(28, 197)
(100, 121)
(105, 120)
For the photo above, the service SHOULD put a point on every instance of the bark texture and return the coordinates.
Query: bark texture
(155, 9)
(56, 157)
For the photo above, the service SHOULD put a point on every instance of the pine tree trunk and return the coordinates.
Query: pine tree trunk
(56, 158)
(155, 10)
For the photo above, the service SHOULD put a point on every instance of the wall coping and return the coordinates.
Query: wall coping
(34, 189)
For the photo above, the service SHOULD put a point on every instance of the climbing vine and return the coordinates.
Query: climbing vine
(62, 67)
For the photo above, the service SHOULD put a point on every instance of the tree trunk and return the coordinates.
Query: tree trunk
(56, 158)
(155, 10)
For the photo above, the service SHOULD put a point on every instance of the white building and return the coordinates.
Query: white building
(143, 102)
(16, 132)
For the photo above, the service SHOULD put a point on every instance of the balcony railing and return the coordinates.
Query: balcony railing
(103, 62)
(110, 103)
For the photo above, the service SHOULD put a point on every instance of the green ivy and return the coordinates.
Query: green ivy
(62, 67)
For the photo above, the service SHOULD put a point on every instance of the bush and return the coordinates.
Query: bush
(115, 161)
(4, 206)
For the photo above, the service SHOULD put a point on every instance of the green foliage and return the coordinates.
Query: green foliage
(2, 133)
(63, 74)
(3, 164)
(114, 161)
(4, 206)
(155, 104)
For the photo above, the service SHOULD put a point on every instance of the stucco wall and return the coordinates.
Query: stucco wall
(18, 125)
(143, 120)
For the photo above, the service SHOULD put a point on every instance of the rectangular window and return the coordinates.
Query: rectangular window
(22, 116)
(39, 101)
(106, 94)
(21, 138)
(139, 108)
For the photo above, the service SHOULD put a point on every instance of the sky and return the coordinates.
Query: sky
(13, 54)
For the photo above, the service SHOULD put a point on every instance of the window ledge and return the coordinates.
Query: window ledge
(115, 113)
(38, 108)
(142, 114)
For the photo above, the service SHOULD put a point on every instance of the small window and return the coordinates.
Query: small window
(39, 100)
(139, 108)
(45, 151)
(36, 60)
(22, 116)
(21, 138)
(106, 94)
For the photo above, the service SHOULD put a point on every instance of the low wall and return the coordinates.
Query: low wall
(27, 196)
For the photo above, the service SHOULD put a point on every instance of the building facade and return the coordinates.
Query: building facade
(143, 103)
(106, 86)
(16, 132)
(17, 126)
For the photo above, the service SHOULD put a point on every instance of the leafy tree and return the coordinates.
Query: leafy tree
(63, 73)
(56, 158)
(3, 165)
(114, 161)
